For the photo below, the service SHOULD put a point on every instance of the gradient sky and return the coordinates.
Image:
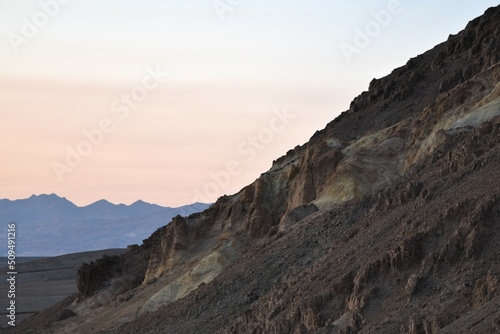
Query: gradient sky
(227, 79)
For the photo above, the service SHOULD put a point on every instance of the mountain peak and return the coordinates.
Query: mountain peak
(141, 202)
(49, 199)
(47, 196)
(101, 202)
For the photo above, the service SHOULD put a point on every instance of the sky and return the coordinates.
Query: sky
(175, 102)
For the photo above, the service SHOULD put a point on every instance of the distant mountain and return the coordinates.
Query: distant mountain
(49, 225)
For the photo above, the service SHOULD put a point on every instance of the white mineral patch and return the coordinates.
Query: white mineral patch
(476, 117)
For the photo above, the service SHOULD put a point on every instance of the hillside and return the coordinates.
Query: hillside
(386, 221)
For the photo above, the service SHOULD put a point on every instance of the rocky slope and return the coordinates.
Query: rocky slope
(386, 221)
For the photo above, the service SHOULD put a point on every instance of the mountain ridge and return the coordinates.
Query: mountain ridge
(54, 196)
(42, 219)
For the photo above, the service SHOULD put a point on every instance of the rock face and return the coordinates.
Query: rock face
(386, 221)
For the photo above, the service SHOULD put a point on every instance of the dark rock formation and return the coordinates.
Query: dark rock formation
(65, 314)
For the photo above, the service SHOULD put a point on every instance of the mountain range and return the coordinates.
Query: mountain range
(386, 221)
(49, 225)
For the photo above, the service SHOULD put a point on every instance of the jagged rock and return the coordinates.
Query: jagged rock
(65, 314)
(412, 284)
(133, 248)
(297, 214)
(91, 277)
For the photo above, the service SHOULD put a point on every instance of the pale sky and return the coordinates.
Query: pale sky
(247, 81)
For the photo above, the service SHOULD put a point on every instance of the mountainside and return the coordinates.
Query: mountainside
(386, 221)
(49, 225)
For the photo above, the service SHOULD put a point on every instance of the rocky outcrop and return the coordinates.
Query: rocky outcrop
(385, 221)
(101, 281)
(91, 277)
